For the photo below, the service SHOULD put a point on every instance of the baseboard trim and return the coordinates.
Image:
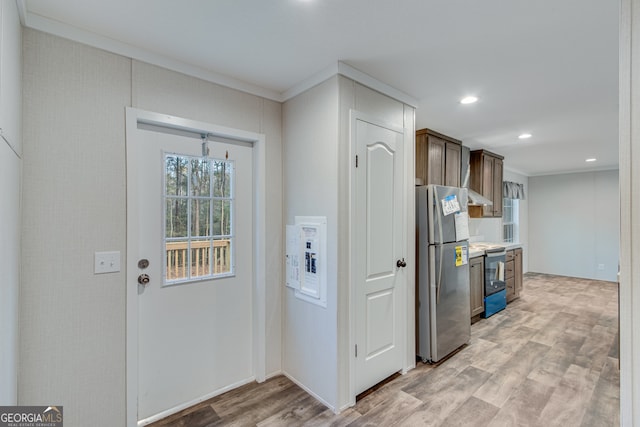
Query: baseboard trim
(306, 389)
(183, 406)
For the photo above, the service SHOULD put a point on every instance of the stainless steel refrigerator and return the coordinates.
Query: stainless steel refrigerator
(443, 316)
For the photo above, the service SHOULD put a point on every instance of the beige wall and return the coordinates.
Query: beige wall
(9, 267)
(574, 224)
(311, 189)
(10, 165)
(72, 322)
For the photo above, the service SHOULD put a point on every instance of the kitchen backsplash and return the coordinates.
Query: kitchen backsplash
(489, 228)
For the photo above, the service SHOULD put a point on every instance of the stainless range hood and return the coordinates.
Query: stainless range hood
(475, 198)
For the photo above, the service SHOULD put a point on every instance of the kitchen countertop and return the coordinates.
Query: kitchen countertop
(480, 252)
(511, 246)
(475, 253)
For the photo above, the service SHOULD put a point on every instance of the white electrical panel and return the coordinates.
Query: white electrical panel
(306, 259)
(293, 257)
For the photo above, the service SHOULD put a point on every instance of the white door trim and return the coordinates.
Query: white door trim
(354, 116)
(133, 117)
(629, 280)
(410, 238)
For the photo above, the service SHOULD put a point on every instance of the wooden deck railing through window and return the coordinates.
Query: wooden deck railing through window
(177, 261)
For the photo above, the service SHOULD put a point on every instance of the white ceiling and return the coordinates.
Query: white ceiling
(548, 67)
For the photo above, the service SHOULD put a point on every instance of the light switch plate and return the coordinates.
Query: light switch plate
(107, 262)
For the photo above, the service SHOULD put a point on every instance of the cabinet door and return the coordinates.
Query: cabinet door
(486, 179)
(511, 293)
(435, 165)
(422, 158)
(476, 285)
(497, 187)
(452, 164)
(509, 269)
(517, 269)
(509, 275)
(487, 183)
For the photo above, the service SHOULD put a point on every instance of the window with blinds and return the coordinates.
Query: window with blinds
(510, 220)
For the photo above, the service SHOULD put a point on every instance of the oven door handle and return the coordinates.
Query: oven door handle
(495, 253)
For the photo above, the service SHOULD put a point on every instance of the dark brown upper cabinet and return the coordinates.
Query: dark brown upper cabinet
(437, 158)
(486, 179)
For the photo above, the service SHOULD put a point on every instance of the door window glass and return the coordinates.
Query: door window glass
(198, 218)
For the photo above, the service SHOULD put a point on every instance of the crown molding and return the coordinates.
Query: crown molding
(47, 25)
(60, 29)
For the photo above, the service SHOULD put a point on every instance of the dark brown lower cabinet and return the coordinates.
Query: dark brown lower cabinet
(517, 264)
(476, 285)
(513, 273)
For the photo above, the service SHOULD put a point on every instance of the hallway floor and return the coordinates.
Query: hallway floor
(550, 359)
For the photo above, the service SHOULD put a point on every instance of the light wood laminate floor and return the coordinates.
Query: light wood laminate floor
(549, 359)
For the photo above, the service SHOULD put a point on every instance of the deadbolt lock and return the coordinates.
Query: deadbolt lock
(143, 263)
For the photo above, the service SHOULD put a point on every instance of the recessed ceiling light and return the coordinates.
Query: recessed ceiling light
(468, 100)
(525, 136)
(592, 159)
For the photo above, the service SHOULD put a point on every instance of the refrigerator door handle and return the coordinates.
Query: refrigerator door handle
(437, 213)
(439, 278)
(432, 315)
(431, 209)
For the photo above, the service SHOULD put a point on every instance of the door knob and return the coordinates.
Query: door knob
(144, 279)
(401, 263)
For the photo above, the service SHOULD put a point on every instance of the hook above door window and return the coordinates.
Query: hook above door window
(205, 145)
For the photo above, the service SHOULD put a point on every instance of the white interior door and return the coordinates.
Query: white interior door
(195, 228)
(379, 245)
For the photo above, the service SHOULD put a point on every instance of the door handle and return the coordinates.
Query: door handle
(144, 279)
(401, 263)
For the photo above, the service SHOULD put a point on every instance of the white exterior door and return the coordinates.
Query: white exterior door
(195, 319)
(379, 245)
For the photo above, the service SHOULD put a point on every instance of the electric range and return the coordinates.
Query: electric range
(495, 286)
